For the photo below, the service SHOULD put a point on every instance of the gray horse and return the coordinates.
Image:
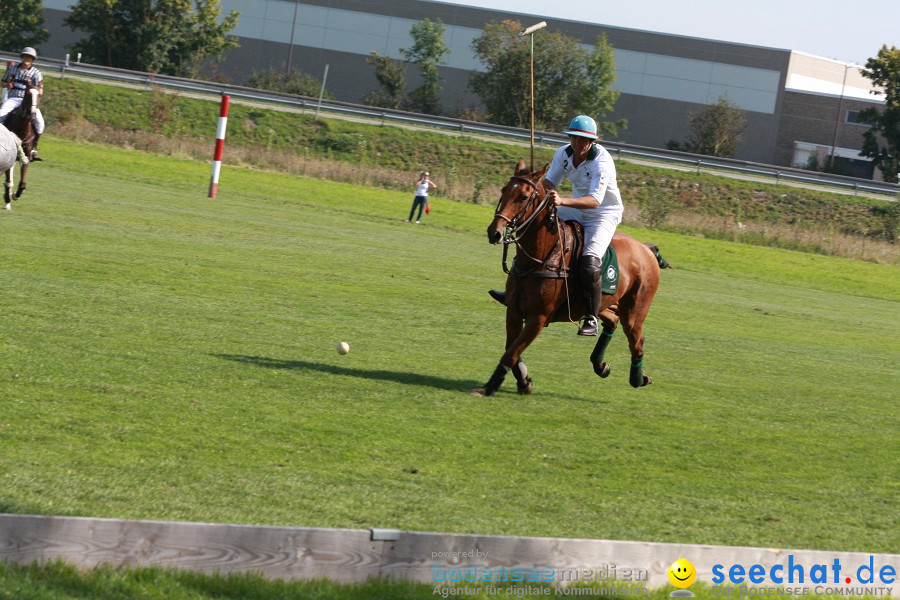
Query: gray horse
(10, 152)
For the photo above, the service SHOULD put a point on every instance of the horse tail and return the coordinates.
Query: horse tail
(663, 263)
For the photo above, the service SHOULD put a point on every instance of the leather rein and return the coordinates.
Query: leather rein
(515, 229)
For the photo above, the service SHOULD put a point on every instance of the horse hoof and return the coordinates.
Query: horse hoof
(602, 370)
(525, 388)
(7, 206)
(644, 380)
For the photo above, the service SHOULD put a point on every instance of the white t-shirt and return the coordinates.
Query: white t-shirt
(422, 188)
(595, 176)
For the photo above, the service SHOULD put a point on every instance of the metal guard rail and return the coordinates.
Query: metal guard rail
(696, 161)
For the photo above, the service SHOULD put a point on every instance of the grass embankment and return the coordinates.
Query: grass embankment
(470, 169)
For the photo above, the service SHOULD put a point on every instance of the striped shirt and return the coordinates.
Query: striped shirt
(21, 78)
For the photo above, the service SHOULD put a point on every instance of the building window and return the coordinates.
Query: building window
(864, 169)
(853, 118)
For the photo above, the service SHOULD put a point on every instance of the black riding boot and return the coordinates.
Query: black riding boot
(592, 286)
(498, 296)
(34, 156)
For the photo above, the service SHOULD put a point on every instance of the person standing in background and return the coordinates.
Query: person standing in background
(423, 186)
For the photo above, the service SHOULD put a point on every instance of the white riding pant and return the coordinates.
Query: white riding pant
(13, 103)
(599, 227)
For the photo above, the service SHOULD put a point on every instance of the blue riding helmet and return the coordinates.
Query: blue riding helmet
(582, 126)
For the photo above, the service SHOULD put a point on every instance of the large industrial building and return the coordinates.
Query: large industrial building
(797, 105)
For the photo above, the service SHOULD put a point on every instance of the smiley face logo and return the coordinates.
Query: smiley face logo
(682, 573)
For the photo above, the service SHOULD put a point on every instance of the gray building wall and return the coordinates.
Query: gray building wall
(820, 121)
(662, 78)
(61, 37)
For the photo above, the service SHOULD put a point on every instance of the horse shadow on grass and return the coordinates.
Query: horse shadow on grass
(441, 383)
(407, 378)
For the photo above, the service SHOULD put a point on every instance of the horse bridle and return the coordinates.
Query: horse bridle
(513, 230)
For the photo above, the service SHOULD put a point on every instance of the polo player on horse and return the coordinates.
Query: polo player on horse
(18, 79)
(595, 203)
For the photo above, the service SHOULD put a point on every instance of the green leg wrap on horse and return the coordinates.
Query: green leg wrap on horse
(600, 347)
(636, 378)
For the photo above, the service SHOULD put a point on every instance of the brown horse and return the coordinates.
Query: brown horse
(541, 287)
(19, 122)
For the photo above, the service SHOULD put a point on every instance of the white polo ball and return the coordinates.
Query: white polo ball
(343, 348)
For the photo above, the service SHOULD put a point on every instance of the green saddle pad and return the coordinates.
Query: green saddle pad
(609, 266)
(610, 270)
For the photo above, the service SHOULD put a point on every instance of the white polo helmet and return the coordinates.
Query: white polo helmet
(29, 51)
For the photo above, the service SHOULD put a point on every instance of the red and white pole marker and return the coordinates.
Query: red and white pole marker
(220, 145)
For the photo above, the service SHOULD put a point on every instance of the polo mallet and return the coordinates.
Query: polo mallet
(530, 31)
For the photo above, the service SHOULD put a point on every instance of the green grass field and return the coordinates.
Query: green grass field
(167, 356)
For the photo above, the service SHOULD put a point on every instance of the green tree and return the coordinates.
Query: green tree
(715, 130)
(429, 49)
(503, 86)
(172, 37)
(597, 95)
(391, 76)
(208, 39)
(881, 142)
(22, 24)
(567, 81)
